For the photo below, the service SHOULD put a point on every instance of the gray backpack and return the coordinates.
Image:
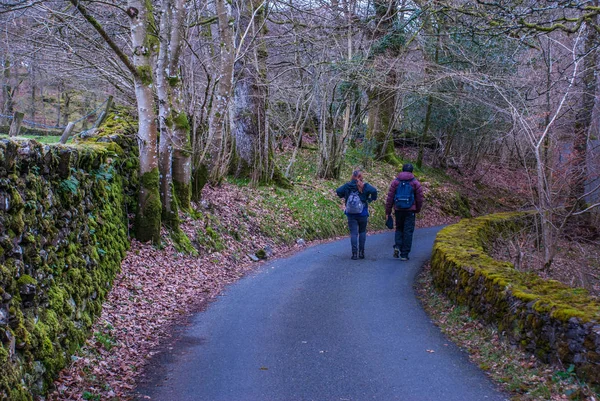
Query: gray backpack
(353, 204)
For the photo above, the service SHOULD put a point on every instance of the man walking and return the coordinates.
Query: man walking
(405, 197)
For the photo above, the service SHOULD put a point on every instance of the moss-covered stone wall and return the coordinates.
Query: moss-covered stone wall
(553, 321)
(63, 234)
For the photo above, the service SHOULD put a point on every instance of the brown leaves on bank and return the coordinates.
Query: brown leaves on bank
(156, 288)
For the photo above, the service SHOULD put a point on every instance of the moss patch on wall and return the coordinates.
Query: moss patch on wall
(547, 318)
(63, 234)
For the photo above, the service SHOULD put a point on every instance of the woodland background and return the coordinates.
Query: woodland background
(224, 85)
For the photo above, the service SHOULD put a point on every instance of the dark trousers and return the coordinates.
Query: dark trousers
(358, 231)
(405, 227)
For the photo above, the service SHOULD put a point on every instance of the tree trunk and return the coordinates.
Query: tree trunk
(182, 150)
(7, 89)
(15, 125)
(332, 145)
(429, 28)
(254, 154)
(148, 217)
(583, 121)
(380, 121)
(165, 148)
(382, 98)
(333, 138)
(174, 139)
(67, 107)
(58, 105)
(182, 156)
(216, 125)
(33, 86)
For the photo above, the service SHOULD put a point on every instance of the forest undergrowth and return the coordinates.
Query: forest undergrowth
(225, 233)
(577, 261)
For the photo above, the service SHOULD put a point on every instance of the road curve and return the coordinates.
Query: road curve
(319, 326)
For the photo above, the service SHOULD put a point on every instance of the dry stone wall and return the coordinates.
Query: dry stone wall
(547, 318)
(63, 234)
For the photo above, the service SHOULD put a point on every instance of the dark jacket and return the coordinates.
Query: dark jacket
(368, 195)
(405, 176)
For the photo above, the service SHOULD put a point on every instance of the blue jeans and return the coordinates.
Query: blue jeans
(358, 231)
(405, 227)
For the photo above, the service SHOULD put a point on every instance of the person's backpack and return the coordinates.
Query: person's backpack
(353, 204)
(405, 195)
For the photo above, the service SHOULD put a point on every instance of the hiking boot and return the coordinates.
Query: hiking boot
(404, 258)
(354, 257)
(361, 254)
(396, 253)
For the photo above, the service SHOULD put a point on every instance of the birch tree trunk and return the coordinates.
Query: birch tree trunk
(165, 145)
(182, 151)
(148, 218)
(174, 144)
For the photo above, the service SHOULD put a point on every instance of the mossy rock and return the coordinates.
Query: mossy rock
(261, 254)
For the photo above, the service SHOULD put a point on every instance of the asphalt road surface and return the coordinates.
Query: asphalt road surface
(320, 326)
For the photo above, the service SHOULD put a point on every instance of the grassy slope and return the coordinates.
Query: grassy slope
(39, 138)
(315, 212)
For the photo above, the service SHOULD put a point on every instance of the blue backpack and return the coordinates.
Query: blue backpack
(405, 195)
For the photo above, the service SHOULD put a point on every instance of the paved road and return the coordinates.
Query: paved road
(319, 326)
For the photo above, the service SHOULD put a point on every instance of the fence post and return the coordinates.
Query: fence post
(15, 125)
(67, 132)
(102, 116)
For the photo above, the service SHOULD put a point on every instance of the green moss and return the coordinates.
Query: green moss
(74, 275)
(145, 74)
(150, 180)
(261, 254)
(566, 313)
(173, 81)
(210, 239)
(457, 205)
(199, 179)
(182, 194)
(3, 355)
(17, 223)
(25, 280)
(181, 122)
(182, 242)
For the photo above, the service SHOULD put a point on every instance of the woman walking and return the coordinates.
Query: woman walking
(357, 194)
